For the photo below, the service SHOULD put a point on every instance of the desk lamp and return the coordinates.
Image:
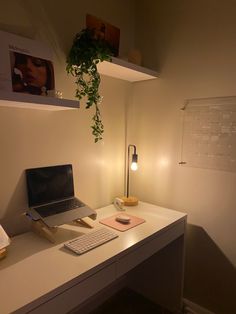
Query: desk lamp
(133, 165)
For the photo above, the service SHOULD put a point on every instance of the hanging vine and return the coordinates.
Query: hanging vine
(86, 52)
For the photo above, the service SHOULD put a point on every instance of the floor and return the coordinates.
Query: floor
(128, 302)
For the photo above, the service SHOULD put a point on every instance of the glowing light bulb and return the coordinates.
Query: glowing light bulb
(134, 166)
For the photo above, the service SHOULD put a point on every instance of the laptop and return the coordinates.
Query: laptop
(51, 196)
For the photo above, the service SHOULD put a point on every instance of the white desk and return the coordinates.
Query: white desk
(40, 277)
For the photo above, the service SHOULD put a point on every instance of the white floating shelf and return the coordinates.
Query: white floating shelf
(117, 68)
(127, 71)
(22, 100)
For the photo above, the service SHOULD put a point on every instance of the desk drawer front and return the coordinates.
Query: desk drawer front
(77, 294)
(137, 256)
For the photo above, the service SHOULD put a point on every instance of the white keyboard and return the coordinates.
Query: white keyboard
(90, 240)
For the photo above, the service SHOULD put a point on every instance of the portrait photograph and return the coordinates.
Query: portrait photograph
(31, 75)
(26, 66)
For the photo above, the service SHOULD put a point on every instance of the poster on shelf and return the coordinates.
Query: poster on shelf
(25, 66)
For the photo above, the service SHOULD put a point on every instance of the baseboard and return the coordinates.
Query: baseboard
(193, 308)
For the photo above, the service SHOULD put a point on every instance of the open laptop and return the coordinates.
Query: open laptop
(51, 196)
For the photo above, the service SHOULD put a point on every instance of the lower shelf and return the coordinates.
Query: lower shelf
(21, 100)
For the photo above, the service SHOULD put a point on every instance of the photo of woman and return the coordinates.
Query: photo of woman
(31, 75)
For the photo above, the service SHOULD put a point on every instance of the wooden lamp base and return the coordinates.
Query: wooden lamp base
(130, 201)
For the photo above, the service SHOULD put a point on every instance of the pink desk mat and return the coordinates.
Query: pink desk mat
(111, 222)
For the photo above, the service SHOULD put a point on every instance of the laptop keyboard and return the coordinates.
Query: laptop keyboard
(59, 207)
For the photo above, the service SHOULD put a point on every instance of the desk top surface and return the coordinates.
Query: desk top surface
(34, 267)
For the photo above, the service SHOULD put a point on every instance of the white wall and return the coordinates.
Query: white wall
(193, 44)
(32, 138)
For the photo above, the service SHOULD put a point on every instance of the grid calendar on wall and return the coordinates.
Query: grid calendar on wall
(209, 133)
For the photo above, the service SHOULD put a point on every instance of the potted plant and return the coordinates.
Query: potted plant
(86, 52)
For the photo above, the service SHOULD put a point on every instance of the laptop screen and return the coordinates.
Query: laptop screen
(49, 184)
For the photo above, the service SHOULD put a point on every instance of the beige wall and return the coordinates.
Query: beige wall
(193, 43)
(32, 138)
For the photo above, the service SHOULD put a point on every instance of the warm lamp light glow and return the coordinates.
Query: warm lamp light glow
(164, 162)
(134, 166)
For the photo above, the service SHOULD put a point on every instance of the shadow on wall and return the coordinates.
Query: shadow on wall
(14, 220)
(210, 278)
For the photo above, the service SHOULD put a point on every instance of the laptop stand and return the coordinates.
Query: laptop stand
(41, 229)
(84, 222)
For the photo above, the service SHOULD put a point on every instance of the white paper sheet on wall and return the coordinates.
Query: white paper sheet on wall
(209, 133)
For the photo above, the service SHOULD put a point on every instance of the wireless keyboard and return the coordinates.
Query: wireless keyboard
(90, 240)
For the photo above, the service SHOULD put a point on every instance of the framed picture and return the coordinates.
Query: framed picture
(25, 66)
(105, 31)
